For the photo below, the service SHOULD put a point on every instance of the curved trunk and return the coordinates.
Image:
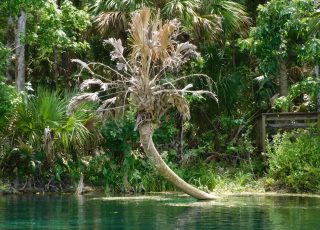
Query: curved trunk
(146, 131)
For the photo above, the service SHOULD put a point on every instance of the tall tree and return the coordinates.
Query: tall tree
(20, 51)
(316, 68)
(142, 77)
(280, 37)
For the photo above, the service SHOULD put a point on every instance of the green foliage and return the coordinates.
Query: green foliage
(281, 31)
(9, 99)
(53, 33)
(3, 58)
(121, 157)
(294, 161)
(167, 131)
(119, 135)
(302, 97)
(59, 28)
(29, 152)
(134, 174)
(242, 66)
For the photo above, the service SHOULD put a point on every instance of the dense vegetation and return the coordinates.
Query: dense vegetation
(258, 56)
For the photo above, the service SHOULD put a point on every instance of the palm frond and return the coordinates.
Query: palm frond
(181, 103)
(181, 8)
(81, 99)
(141, 77)
(93, 84)
(233, 15)
(315, 23)
(206, 25)
(109, 20)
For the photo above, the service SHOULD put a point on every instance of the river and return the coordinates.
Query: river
(159, 212)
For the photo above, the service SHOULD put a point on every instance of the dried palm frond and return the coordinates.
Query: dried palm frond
(182, 54)
(206, 93)
(207, 26)
(105, 107)
(139, 30)
(181, 103)
(142, 75)
(79, 100)
(163, 40)
(111, 19)
(93, 84)
(83, 65)
(117, 53)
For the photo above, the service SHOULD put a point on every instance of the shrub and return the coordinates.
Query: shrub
(43, 140)
(7, 99)
(294, 160)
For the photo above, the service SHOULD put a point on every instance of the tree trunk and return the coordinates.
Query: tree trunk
(316, 68)
(316, 73)
(283, 76)
(181, 134)
(126, 185)
(146, 131)
(16, 182)
(20, 51)
(56, 65)
(10, 45)
(80, 186)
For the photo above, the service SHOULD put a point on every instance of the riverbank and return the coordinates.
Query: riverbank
(226, 187)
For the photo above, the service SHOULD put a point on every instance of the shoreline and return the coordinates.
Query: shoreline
(91, 190)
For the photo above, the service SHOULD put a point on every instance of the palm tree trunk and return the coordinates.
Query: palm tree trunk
(146, 131)
(20, 51)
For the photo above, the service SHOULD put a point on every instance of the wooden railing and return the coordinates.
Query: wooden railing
(286, 121)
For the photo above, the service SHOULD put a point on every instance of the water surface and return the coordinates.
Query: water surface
(159, 212)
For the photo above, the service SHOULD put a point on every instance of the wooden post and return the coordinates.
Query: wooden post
(263, 132)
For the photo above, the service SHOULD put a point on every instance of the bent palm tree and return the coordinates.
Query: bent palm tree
(140, 81)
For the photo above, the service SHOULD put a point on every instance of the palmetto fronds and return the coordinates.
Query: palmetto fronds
(141, 76)
(233, 15)
(113, 14)
(315, 23)
(111, 19)
(201, 18)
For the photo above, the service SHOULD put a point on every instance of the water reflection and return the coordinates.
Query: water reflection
(73, 212)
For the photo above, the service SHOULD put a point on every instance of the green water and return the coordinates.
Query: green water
(159, 212)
